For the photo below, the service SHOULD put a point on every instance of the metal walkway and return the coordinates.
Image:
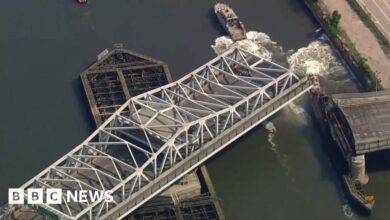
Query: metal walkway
(157, 137)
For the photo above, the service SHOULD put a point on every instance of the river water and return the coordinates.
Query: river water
(277, 171)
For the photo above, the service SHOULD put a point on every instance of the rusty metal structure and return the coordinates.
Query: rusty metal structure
(117, 76)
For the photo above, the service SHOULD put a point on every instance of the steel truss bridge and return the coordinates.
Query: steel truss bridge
(157, 137)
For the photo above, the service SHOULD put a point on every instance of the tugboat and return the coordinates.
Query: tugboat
(230, 21)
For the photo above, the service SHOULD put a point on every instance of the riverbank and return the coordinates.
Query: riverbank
(354, 40)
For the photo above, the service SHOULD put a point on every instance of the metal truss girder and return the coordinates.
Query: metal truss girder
(183, 116)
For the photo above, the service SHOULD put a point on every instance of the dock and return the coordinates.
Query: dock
(359, 124)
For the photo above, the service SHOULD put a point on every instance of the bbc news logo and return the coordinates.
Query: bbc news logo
(56, 196)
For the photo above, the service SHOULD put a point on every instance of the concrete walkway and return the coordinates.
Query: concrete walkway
(364, 40)
(379, 10)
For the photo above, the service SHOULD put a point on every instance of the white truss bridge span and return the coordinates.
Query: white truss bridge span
(157, 137)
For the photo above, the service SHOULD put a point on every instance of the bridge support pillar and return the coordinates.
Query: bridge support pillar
(358, 169)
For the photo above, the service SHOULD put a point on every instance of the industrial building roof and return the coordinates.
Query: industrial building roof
(368, 116)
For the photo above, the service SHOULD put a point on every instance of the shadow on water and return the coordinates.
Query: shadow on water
(326, 152)
(82, 101)
(378, 161)
(337, 164)
(215, 23)
(240, 141)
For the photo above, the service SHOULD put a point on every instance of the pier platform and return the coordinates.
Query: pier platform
(359, 123)
(117, 76)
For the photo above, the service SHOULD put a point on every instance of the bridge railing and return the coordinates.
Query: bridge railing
(210, 149)
(243, 101)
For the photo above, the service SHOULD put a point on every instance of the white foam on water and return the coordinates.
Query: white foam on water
(297, 109)
(317, 58)
(257, 43)
(348, 212)
(282, 158)
(302, 117)
(270, 127)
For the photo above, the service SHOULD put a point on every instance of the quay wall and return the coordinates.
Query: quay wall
(345, 53)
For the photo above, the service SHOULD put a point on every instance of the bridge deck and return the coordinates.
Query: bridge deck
(157, 137)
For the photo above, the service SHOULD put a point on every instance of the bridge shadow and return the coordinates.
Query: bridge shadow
(330, 163)
(378, 161)
(82, 102)
(333, 165)
(326, 152)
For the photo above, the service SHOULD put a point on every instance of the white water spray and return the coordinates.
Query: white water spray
(256, 43)
(282, 158)
(317, 58)
(301, 115)
(348, 212)
(270, 127)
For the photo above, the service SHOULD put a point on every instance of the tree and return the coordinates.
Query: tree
(335, 19)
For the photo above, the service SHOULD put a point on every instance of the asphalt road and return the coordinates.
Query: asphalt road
(380, 12)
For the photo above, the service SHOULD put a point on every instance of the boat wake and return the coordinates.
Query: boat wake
(317, 58)
(299, 111)
(347, 210)
(281, 157)
(257, 43)
(270, 127)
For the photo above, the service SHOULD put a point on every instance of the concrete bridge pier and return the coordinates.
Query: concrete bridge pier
(358, 169)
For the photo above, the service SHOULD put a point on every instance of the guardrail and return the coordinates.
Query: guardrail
(216, 145)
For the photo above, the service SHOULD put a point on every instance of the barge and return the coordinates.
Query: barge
(230, 21)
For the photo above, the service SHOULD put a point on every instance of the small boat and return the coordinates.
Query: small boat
(230, 22)
(82, 1)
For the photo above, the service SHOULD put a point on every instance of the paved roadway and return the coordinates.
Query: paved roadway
(380, 12)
